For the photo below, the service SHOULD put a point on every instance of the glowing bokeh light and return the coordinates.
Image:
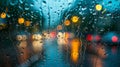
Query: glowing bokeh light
(67, 23)
(67, 35)
(89, 37)
(75, 19)
(75, 48)
(27, 23)
(97, 38)
(75, 56)
(114, 39)
(19, 37)
(36, 36)
(53, 34)
(21, 20)
(3, 15)
(98, 7)
(59, 27)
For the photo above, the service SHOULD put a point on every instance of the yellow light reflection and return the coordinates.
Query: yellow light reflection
(3, 15)
(75, 56)
(98, 7)
(27, 23)
(75, 48)
(67, 35)
(75, 19)
(67, 23)
(37, 43)
(21, 20)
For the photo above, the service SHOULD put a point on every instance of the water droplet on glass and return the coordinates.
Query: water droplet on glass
(13, 2)
(84, 8)
(20, 7)
(32, 4)
(21, 1)
(69, 4)
(44, 2)
(26, 6)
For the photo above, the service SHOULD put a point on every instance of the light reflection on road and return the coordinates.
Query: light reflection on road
(53, 56)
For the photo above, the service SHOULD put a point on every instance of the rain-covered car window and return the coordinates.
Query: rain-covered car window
(59, 33)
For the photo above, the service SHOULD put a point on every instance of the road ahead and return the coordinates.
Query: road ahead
(53, 56)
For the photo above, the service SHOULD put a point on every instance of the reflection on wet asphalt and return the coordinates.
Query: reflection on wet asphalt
(53, 57)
